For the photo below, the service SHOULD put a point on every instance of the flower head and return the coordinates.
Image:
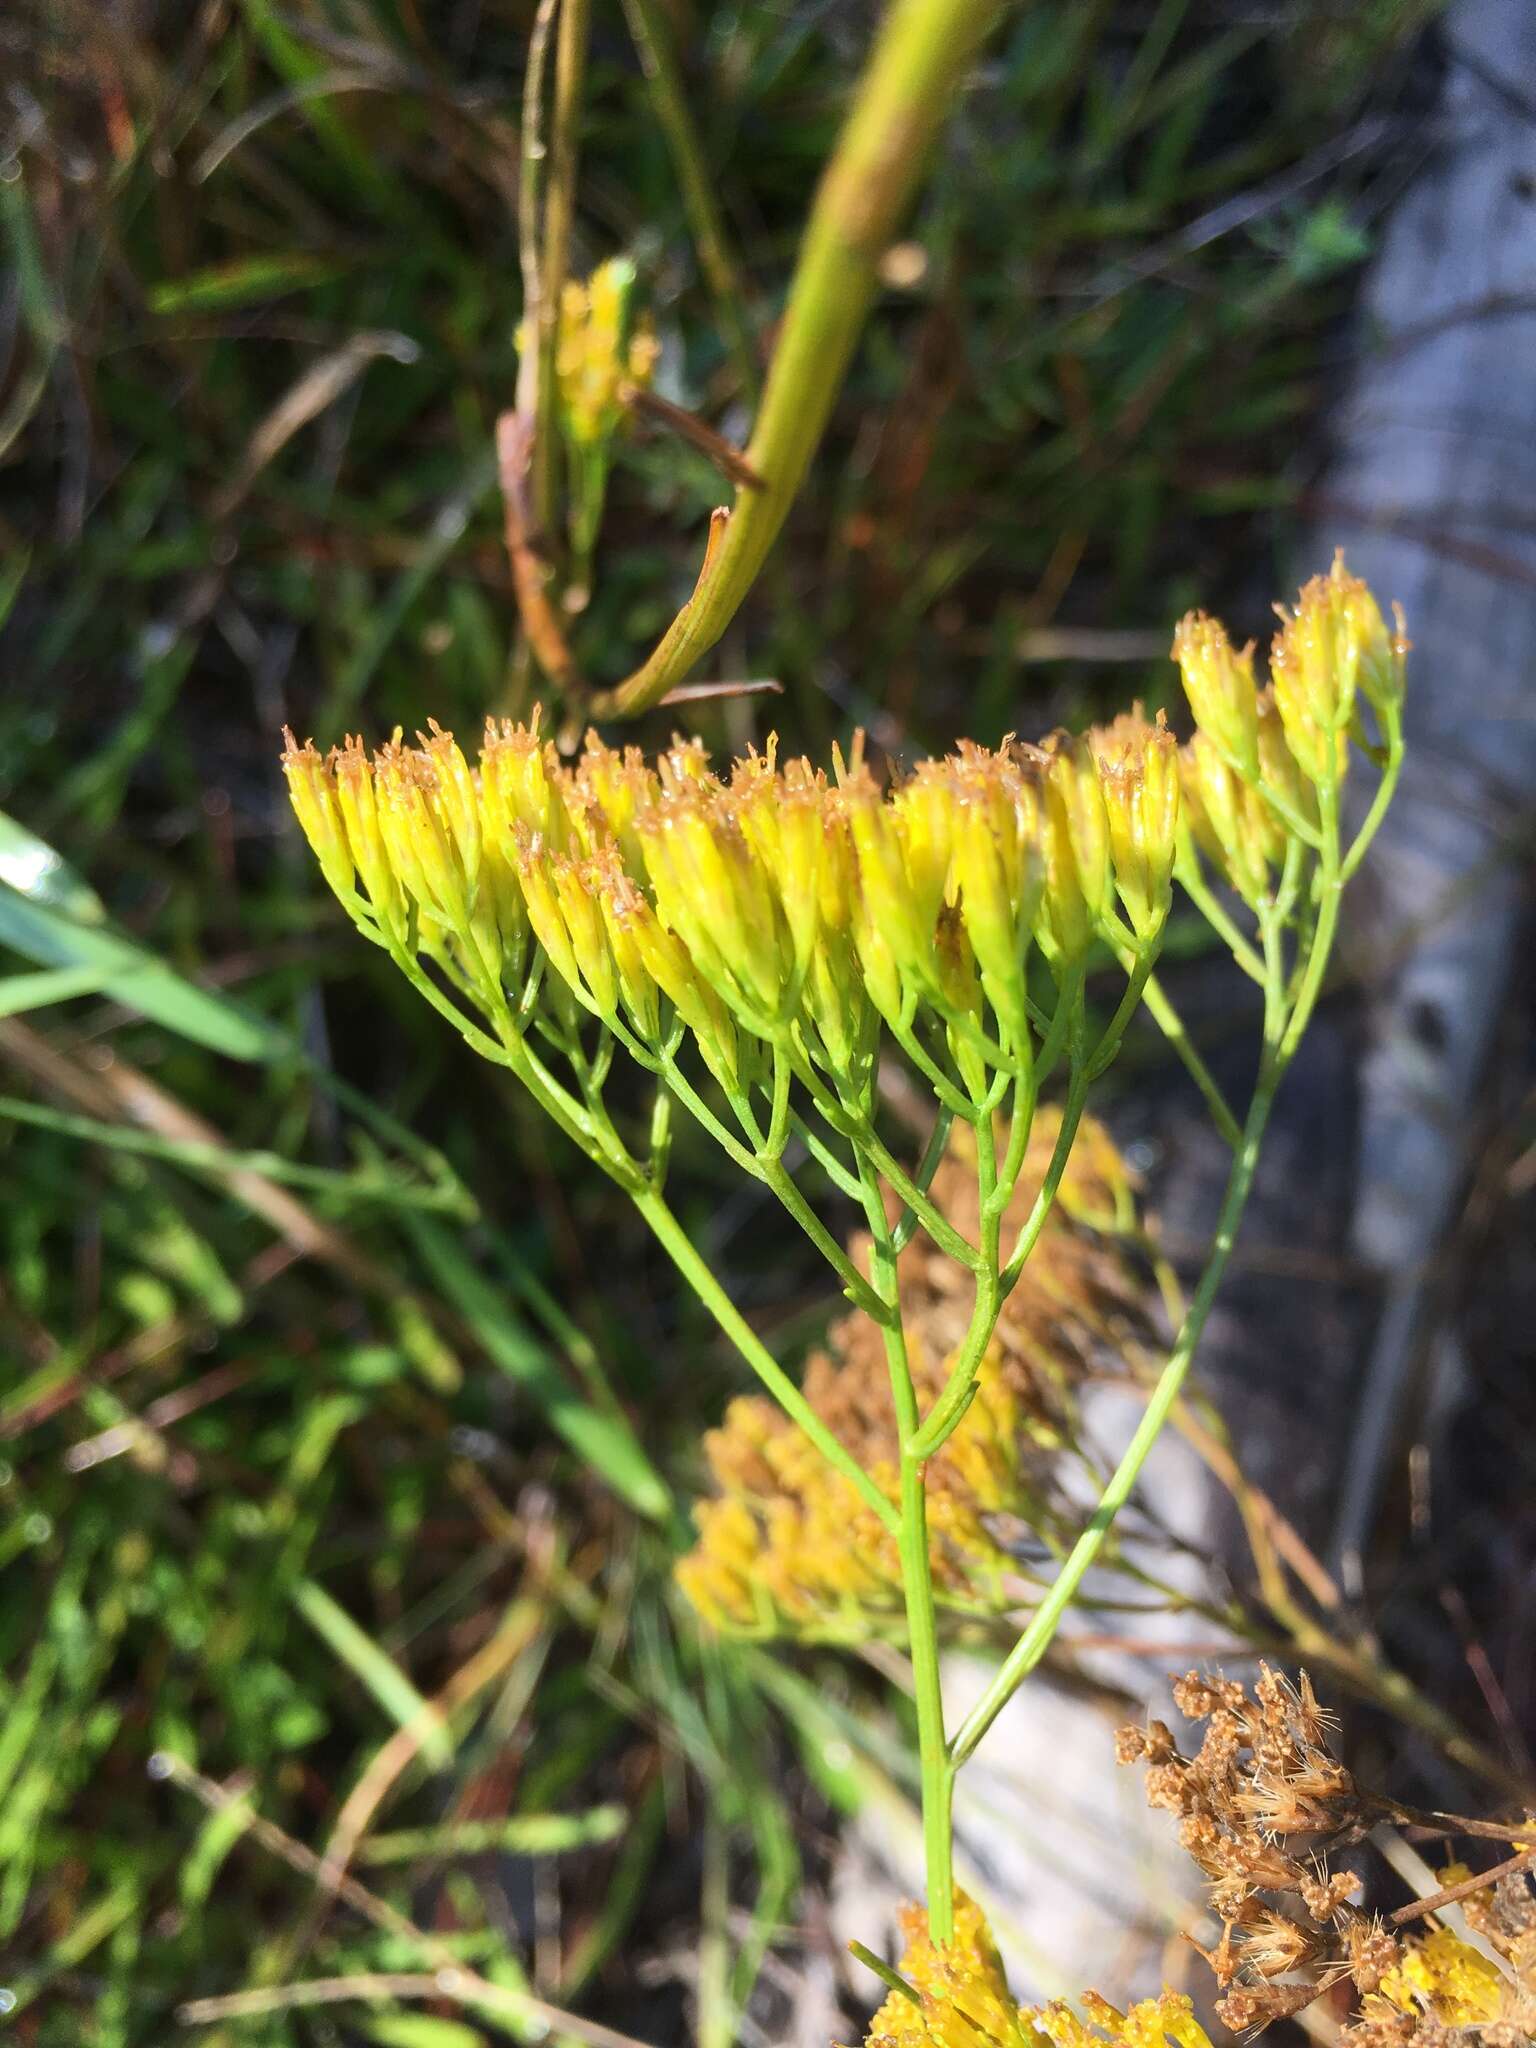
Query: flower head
(601, 345)
(312, 792)
(1228, 821)
(1138, 767)
(1333, 644)
(1218, 681)
(1074, 830)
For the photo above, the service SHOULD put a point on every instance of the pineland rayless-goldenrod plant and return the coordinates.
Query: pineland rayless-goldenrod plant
(758, 940)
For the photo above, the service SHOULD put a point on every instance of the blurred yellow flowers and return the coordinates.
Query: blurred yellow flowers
(956, 1996)
(787, 1548)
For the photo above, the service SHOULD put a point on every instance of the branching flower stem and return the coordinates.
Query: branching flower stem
(1171, 1024)
(694, 1268)
(1285, 1021)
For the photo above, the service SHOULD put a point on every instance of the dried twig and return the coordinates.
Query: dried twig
(1417, 1908)
(541, 622)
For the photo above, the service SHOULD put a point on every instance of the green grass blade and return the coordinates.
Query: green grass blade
(367, 1184)
(135, 978)
(519, 1834)
(247, 281)
(376, 1670)
(602, 1441)
(22, 992)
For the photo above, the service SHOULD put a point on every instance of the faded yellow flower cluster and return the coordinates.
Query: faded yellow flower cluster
(1442, 1982)
(787, 1547)
(957, 1996)
(1446, 1978)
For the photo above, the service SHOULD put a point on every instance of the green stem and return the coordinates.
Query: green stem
(531, 372)
(1141, 957)
(857, 1126)
(933, 1757)
(653, 41)
(1282, 1033)
(920, 56)
(1021, 1123)
(948, 1411)
(1330, 890)
(1037, 1637)
(927, 1167)
(684, 1091)
(841, 1177)
(916, 1578)
(1242, 952)
(948, 1095)
(1171, 1024)
(1392, 720)
(554, 260)
(1034, 1223)
(994, 1283)
(690, 1263)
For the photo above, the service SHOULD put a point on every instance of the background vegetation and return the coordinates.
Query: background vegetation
(306, 1419)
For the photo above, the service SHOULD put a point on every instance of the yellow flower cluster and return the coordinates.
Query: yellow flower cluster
(1441, 1981)
(957, 1996)
(1261, 760)
(600, 346)
(778, 902)
(787, 1547)
(770, 901)
(1446, 1978)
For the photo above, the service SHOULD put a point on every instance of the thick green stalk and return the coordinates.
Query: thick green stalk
(920, 56)
(933, 1759)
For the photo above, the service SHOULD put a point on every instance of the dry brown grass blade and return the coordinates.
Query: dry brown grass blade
(320, 386)
(119, 1092)
(527, 1617)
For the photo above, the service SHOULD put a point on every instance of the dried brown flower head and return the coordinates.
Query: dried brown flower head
(1263, 1805)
